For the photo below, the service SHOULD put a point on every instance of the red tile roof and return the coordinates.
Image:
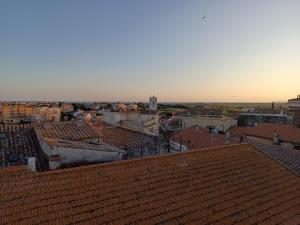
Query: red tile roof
(125, 138)
(287, 133)
(135, 143)
(227, 185)
(288, 157)
(196, 137)
(17, 143)
(75, 131)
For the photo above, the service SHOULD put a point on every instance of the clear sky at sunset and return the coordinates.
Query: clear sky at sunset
(178, 50)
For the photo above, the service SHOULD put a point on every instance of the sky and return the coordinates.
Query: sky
(128, 50)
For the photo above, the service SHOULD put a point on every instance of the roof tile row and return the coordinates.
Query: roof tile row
(227, 185)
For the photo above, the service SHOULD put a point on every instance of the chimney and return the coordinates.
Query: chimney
(276, 137)
(31, 163)
(227, 137)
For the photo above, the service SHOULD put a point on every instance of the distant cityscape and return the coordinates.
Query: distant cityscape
(116, 131)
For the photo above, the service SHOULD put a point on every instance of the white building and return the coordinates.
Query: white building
(221, 123)
(70, 143)
(142, 122)
(153, 103)
(46, 114)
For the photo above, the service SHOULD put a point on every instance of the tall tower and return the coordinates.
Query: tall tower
(153, 103)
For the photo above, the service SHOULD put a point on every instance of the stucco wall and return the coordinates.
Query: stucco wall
(222, 124)
(70, 155)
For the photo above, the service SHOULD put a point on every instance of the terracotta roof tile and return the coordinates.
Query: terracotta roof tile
(265, 130)
(133, 142)
(226, 185)
(196, 137)
(126, 138)
(288, 157)
(75, 131)
(17, 143)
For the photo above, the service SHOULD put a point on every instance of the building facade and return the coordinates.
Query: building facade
(143, 122)
(220, 123)
(67, 107)
(251, 119)
(16, 113)
(46, 114)
(294, 109)
(153, 103)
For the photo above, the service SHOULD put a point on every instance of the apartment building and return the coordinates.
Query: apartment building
(220, 123)
(46, 114)
(16, 113)
(143, 122)
(294, 109)
(67, 107)
(251, 119)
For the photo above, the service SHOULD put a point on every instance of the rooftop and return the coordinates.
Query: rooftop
(264, 114)
(226, 185)
(288, 157)
(82, 145)
(17, 143)
(75, 131)
(136, 144)
(125, 138)
(287, 133)
(196, 137)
